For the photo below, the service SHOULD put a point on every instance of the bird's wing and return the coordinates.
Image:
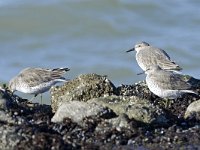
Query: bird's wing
(170, 80)
(159, 57)
(178, 82)
(36, 76)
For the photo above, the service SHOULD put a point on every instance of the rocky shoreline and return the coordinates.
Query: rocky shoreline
(89, 112)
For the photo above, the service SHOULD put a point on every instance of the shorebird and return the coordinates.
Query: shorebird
(36, 80)
(147, 55)
(166, 84)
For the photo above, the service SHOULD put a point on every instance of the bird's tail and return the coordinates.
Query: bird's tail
(61, 69)
(58, 73)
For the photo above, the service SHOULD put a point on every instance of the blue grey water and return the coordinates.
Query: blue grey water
(91, 36)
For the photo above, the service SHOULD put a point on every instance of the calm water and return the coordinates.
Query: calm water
(91, 36)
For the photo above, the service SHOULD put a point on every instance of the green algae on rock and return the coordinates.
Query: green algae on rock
(78, 110)
(134, 107)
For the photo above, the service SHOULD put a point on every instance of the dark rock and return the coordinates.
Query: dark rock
(9, 138)
(126, 117)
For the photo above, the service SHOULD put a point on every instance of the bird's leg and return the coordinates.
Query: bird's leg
(143, 72)
(41, 99)
(167, 103)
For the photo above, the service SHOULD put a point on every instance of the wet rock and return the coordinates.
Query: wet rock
(139, 89)
(82, 88)
(5, 117)
(126, 117)
(17, 119)
(3, 103)
(4, 106)
(134, 107)
(77, 110)
(8, 135)
(9, 138)
(122, 121)
(3, 99)
(193, 110)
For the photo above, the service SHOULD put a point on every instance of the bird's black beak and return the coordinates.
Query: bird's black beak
(130, 50)
(141, 73)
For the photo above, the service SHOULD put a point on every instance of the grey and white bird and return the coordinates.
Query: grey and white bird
(166, 84)
(147, 55)
(36, 80)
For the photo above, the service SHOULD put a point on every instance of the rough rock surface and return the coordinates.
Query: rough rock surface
(9, 138)
(134, 107)
(82, 88)
(3, 100)
(31, 127)
(77, 111)
(193, 110)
